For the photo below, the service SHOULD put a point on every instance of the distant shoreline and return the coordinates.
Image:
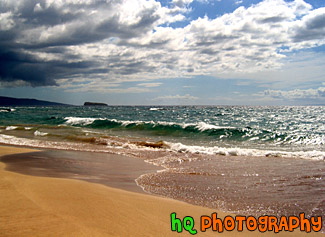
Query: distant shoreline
(10, 101)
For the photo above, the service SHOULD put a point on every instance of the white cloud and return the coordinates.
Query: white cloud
(177, 97)
(296, 94)
(182, 3)
(207, 1)
(297, 68)
(130, 90)
(150, 84)
(6, 21)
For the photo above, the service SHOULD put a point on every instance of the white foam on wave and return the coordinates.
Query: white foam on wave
(38, 133)
(80, 121)
(7, 110)
(11, 128)
(173, 147)
(140, 122)
(179, 147)
(12, 140)
(155, 109)
(202, 126)
(127, 122)
(165, 161)
(91, 131)
(301, 140)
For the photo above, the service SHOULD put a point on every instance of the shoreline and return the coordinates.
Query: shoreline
(112, 170)
(33, 205)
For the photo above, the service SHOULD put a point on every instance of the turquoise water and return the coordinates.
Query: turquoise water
(284, 131)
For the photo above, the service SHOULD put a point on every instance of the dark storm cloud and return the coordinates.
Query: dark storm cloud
(17, 66)
(88, 32)
(312, 27)
(39, 12)
(68, 24)
(48, 16)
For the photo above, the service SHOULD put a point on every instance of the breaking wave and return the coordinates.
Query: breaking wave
(199, 130)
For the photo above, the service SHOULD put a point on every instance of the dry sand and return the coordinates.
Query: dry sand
(42, 206)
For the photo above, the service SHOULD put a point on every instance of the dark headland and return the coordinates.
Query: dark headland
(10, 101)
(94, 104)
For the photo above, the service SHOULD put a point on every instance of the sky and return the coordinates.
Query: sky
(168, 52)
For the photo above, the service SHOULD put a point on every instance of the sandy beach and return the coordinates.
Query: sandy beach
(47, 206)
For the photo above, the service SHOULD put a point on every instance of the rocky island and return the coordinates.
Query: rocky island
(94, 104)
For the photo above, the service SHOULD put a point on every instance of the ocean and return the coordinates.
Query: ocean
(262, 160)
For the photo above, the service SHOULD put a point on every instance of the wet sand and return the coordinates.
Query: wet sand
(48, 206)
(109, 169)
